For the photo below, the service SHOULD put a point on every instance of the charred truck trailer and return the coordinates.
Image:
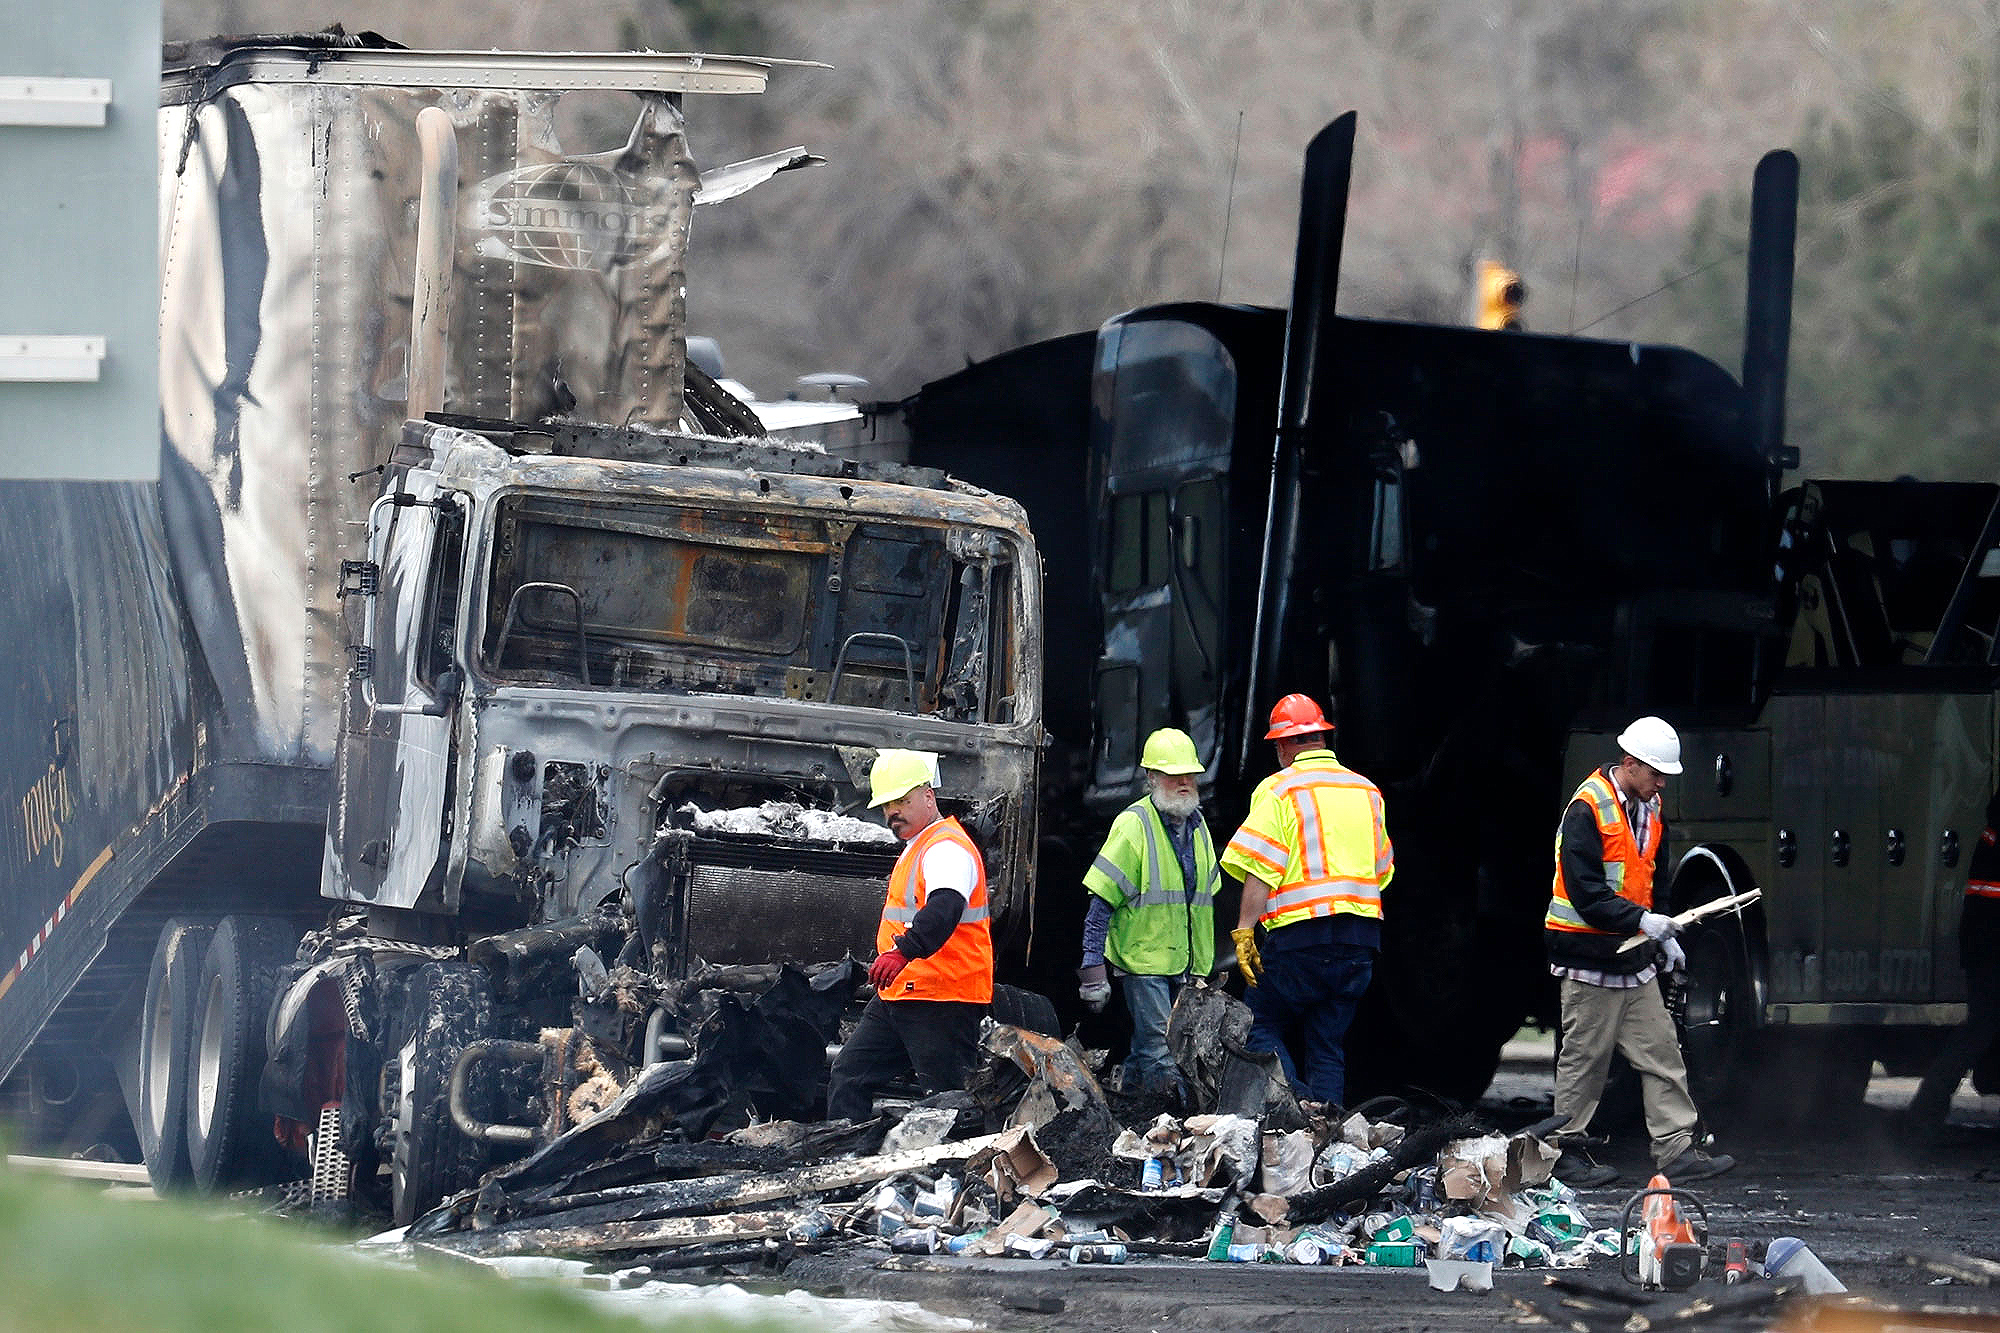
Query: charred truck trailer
(554, 715)
(1490, 551)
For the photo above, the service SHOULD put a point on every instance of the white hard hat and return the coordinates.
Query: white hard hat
(1651, 741)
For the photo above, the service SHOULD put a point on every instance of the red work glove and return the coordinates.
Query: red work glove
(886, 969)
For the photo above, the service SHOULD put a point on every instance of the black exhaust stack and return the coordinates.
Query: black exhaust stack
(1767, 318)
(1308, 339)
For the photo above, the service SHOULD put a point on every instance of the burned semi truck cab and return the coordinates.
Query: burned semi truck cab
(407, 710)
(581, 678)
(613, 702)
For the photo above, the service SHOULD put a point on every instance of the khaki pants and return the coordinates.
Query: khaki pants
(1596, 1020)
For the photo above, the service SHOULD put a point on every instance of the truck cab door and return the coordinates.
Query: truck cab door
(1163, 446)
(391, 825)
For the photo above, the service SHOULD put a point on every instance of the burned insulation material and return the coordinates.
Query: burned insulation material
(783, 819)
(1079, 1141)
(1206, 1033)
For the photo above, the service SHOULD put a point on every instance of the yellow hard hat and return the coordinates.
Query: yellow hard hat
(1170, 751)
(897, 773)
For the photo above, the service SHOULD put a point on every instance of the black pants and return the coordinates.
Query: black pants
(938, 1039)
(1979, 951)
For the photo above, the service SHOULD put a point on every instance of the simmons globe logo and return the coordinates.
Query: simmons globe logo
(573, 215)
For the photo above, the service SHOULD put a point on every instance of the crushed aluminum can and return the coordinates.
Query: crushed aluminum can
(960, 1244)
(1097, 1254)
(1024, 1247)
(815, 1225)
(936, 1201)
(915, 1240)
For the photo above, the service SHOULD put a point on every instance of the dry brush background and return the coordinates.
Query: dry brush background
(1005, 170)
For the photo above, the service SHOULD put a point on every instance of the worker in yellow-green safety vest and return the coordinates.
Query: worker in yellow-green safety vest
(1152, 907)
(1314, 857)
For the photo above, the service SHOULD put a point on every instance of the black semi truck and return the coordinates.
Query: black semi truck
(1488, 551)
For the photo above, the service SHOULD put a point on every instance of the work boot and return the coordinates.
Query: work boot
(1577, 1171)
(1694, 1164)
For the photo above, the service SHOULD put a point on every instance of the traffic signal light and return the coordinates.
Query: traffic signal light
(1497, 296)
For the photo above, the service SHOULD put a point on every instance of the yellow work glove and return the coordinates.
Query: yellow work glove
(1246, 953)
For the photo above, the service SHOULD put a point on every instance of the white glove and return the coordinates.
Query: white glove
(1677, 959)
(1658, 928)
(1095, 986)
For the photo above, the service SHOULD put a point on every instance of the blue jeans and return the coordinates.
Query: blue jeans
(1150, 1065)
(1315, 988)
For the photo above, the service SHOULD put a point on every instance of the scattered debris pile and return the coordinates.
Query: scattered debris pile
(710, 1159)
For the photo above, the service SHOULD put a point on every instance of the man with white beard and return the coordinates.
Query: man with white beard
(1152, 907)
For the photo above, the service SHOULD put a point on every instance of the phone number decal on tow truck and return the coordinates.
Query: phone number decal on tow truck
(1852, 972)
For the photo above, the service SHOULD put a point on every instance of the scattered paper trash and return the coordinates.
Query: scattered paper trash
(1287, 1161)
(1475, 1239)
(1393, 1253)
(1459, 1274)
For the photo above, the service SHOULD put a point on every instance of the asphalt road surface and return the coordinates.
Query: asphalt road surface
(1855, 1190)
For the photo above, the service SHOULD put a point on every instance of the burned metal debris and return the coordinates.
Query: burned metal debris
(712, 1161)
(714, 1157)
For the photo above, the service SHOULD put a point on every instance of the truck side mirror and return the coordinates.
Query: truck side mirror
(449, 685)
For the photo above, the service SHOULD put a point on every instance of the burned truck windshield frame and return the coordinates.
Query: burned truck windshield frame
(622, 595)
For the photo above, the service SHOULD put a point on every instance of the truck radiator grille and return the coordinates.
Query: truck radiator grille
(782, 902)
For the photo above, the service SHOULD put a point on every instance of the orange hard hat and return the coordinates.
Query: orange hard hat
(1296, 715)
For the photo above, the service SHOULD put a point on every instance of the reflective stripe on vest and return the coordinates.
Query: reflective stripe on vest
(1982, 865)
(1155, 892)
(1628, 867)
(962, 968)
(1343, 857)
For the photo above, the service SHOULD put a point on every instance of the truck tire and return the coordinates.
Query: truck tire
(1028, 1009)
(1718, 1018)
(446, 1006)
(165, 1023)
(230, 1138)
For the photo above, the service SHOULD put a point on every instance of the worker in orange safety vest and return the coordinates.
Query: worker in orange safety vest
(1979, 952)
(933, 970)
(1607, 847)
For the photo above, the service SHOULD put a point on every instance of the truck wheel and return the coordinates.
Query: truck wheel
(164, 1027)
(1718, 1028)
(1025, 1009)
(230, 1139)
(446, 1006)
